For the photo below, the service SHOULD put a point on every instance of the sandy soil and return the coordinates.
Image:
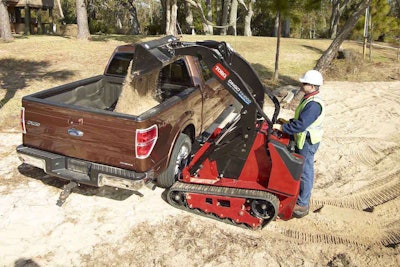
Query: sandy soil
(142, 88)
(355, 219)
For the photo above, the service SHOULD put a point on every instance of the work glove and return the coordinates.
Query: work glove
(282, 121)
(277, 126)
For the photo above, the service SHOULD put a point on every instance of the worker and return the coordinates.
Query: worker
(306, 127)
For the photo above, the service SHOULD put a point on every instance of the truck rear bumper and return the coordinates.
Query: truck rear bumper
(81, 171)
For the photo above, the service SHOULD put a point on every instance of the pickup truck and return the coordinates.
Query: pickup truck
(72, 131)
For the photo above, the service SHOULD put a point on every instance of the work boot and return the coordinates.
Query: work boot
(300, 211)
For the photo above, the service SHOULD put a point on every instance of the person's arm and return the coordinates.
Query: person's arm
(308, 115)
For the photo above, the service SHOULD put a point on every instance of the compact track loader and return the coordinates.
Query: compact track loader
(243, 173)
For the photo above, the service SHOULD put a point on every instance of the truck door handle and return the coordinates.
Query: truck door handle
(75, 121)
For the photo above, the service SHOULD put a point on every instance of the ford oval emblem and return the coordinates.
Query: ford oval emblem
(75, 132)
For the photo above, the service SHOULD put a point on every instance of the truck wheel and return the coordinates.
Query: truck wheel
(179, 159)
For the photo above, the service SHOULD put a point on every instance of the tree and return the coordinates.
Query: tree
(282, 9)
(208, 28)
(5, 29)
(188, 17)
(134, 22)
(233, 16)
(225, 13)
(82, 20)
(60, 10)
(170, 8)
(383, 22)
(171, 13)
(338, 7)
(327, 57)
(247, 19)
(278, 44)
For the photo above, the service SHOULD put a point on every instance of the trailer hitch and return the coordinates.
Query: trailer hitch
(67, 190)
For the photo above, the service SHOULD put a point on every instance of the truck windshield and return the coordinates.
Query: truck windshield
(119, 64)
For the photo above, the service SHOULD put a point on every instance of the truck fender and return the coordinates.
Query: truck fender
(187, 127)
(177, 158)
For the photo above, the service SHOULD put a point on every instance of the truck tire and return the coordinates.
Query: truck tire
(179, 158)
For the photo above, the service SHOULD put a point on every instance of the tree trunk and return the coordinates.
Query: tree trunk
(338, 8)
(276, 27)
(208, 28)
(286, 28)
(5, 28)
(327, 57)
(167, 11)
(232, 18)
(278, 44)
(189, 19)
(82, 20)
(206, 21)
(334, 19)
(60, 9)
(225, 14)
(247, 19)
(135, 26)
(174, 13)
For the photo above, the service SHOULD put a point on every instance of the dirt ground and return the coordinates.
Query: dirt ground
(355, 203)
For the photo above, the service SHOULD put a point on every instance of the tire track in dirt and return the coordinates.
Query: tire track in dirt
(371, 196)
(330, 239)
(392, 237)
(335, 225)
(358, 167)
(387, 238)
(356, 194)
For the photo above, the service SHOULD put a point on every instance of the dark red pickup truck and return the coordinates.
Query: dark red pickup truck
(72, 132)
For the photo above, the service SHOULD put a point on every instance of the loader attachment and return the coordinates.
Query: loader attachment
(236, 75)
(242, 173)
(149, 56)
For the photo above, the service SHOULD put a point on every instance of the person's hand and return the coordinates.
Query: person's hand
(277, 127)
(282, 121)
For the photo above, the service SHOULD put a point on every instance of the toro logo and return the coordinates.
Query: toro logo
(220, 71)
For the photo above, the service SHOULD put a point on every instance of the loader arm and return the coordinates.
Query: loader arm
(236, 75)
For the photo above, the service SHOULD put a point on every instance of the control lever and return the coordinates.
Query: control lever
(292, 146)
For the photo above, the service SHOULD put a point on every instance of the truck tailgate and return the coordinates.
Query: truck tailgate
(93, 136)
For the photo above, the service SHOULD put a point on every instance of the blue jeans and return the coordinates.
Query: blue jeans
(307, 177)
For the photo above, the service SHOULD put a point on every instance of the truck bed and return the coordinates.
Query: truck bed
(100, 92)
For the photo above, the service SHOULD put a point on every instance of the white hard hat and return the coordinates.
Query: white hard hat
(313, 77)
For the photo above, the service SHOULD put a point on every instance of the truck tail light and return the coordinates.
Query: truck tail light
(23, 120)
(145, 141)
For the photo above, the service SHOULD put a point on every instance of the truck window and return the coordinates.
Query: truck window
(176, 73)
(119, 64)
(173, 79)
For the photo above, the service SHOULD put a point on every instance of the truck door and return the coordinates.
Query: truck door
(215, 96)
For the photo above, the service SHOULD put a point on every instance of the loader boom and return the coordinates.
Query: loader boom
(236, 75)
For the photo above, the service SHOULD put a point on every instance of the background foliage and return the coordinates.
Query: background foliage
(301, 18)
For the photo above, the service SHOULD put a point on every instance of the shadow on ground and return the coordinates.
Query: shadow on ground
(85, 190)
(121, 38)
(312, 48)
(266, 75)
(16, 73)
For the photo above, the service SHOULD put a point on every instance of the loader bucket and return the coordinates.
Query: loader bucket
(150, 55)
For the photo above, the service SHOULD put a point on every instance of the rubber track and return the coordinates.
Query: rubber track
(221, 191)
